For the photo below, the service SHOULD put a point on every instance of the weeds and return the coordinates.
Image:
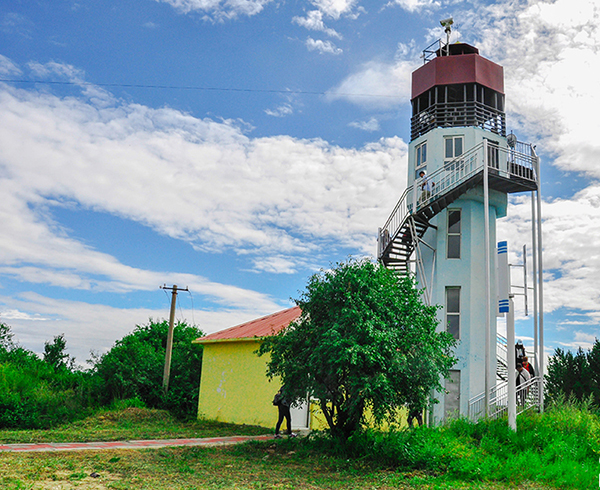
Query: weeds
(559, 448)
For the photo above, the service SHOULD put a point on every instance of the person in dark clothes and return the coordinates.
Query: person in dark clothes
(283, 407)
(415, 414)
(519, 351)
(522, 378)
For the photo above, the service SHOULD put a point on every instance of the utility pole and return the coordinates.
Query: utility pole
(167, 370)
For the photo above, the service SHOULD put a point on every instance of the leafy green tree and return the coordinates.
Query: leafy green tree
(134, 368)
(364, 341)
(6, 337)
(55, 352)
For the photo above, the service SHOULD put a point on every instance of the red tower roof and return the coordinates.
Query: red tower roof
(261, 327)
(463, 65)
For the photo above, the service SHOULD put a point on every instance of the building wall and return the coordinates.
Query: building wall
(234, 387)
(468, 272)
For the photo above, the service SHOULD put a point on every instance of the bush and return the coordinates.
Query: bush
(559, 448)
(134, 368)
(36, 395)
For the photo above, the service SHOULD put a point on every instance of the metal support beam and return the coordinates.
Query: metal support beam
(488, 286)
(541, 284)
(511, 368)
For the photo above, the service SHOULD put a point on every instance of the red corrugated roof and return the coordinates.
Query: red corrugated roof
(261, 327)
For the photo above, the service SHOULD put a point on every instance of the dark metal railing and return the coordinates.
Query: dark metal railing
(453, 114)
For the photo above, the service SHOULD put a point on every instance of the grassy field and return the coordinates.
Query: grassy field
(249, 466)
(129, 424)
(463, 454)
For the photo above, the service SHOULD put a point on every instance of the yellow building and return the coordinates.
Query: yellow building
(234, 387)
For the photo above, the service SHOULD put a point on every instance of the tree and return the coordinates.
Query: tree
(594, 363)
(574, 376)
(55, 352)
(364, 340)
(134, 368)
(6, 337)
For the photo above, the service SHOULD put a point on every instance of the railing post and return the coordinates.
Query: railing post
(510, 357)
(488, 292)
(541, 281)
(414, 199)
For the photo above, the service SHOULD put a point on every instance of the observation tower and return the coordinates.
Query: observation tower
(462, 166)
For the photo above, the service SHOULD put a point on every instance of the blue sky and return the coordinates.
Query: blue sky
(236, 147)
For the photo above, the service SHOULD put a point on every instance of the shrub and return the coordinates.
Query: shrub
(134, 368)
(559, 448)
(35, 395)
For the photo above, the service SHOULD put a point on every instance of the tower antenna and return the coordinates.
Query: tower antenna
(447, 25)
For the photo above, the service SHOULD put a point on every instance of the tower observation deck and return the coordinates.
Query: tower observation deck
(457, 88)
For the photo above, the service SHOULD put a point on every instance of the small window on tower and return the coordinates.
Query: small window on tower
(453, 311)
(454, 233)
(422, 155)
(453, 147)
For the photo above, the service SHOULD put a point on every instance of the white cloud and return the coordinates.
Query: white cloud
(281, 111)
(371, 125)
(96, 327)
(415, 5)
(581, 340)
(8, 68)
(11, 314)
(335, 8)
(322, 46)
(276, 264)
(571, 230)
(314, 21)
(377, 84)
(219, 9)
(16, 24)
(151, 166)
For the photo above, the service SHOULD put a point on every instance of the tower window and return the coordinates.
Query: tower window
(453, 311)
(453, 147)
(421, 154)
(454, 233)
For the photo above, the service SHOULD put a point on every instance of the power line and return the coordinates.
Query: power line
(199, 88)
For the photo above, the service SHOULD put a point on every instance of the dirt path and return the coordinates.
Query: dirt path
(95, 446)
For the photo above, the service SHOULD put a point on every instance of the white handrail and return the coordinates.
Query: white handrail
(509, 162)
(527, 398)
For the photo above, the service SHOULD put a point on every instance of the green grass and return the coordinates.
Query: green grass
(557, 450)
(560, 448)
(129, 424)
(272, 465)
